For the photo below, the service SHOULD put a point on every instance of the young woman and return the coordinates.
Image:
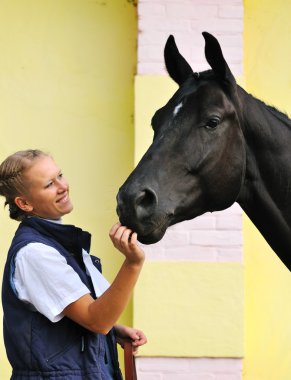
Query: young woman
(59, 311)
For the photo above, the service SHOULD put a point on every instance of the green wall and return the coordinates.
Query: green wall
(66, 86)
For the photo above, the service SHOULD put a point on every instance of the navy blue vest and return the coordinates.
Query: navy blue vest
(37, 348)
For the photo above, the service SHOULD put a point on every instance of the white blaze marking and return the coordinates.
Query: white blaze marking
(177, 108)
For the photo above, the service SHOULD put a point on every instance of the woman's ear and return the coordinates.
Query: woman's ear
(22, 203)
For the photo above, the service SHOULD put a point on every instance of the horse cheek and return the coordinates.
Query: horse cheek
(227, 173)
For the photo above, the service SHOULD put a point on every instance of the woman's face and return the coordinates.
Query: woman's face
(47, 194)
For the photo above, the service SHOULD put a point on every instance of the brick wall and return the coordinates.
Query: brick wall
(213, 237)
(186, 19)
(188, 369)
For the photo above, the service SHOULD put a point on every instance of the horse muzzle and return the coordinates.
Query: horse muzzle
(139, 211)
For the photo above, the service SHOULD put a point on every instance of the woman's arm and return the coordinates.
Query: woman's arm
(100, 315)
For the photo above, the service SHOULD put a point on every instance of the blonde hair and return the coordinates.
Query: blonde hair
(12, 181)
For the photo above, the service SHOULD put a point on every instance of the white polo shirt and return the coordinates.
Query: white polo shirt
(44, 280)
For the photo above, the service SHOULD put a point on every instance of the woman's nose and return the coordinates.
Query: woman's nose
(62, 185)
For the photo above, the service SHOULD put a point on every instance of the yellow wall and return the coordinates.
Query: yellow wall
(66, 86)
(267, 54)
(147, 101)
(190, 309)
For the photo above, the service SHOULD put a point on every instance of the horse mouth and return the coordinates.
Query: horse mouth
(148, 232)
(155, 233)
(154, 236)
(158, 231)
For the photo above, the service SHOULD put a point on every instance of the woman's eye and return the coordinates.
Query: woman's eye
(48, 185)
(212, 123)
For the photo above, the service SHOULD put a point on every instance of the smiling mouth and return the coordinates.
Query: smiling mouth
(63, 199)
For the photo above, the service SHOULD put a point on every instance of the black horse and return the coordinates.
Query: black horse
(214, 144)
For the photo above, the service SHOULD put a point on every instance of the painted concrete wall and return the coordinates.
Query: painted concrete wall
(66, 86)
(189, 298)
(267, 58)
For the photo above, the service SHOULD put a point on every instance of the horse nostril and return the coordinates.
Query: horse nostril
(146, 200)
(135, 205)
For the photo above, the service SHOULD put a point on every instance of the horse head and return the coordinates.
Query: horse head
(196, 162)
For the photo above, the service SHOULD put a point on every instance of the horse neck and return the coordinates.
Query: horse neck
(265, 195)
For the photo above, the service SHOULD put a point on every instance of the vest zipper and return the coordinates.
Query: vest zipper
(82, 343)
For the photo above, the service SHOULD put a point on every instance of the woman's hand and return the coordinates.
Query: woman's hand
(125, 240)
(137, 337)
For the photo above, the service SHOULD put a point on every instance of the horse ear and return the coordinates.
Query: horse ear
(214, 56)
(177, 66)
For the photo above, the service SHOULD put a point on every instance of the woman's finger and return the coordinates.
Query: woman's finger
(113, 229)
(118, 234)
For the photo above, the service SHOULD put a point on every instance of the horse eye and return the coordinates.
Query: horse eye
(212, 123)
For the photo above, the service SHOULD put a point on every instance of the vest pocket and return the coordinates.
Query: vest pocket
(62, 345)
(54, 357)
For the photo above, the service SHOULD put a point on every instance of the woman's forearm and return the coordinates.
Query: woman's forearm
(101, 314)
(106, 310)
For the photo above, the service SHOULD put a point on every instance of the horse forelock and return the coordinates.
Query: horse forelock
(189, 88)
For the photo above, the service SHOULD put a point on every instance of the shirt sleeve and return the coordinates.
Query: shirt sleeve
(43, 279)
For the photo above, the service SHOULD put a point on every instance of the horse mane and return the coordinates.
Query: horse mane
(283, 117)
(279, 115)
